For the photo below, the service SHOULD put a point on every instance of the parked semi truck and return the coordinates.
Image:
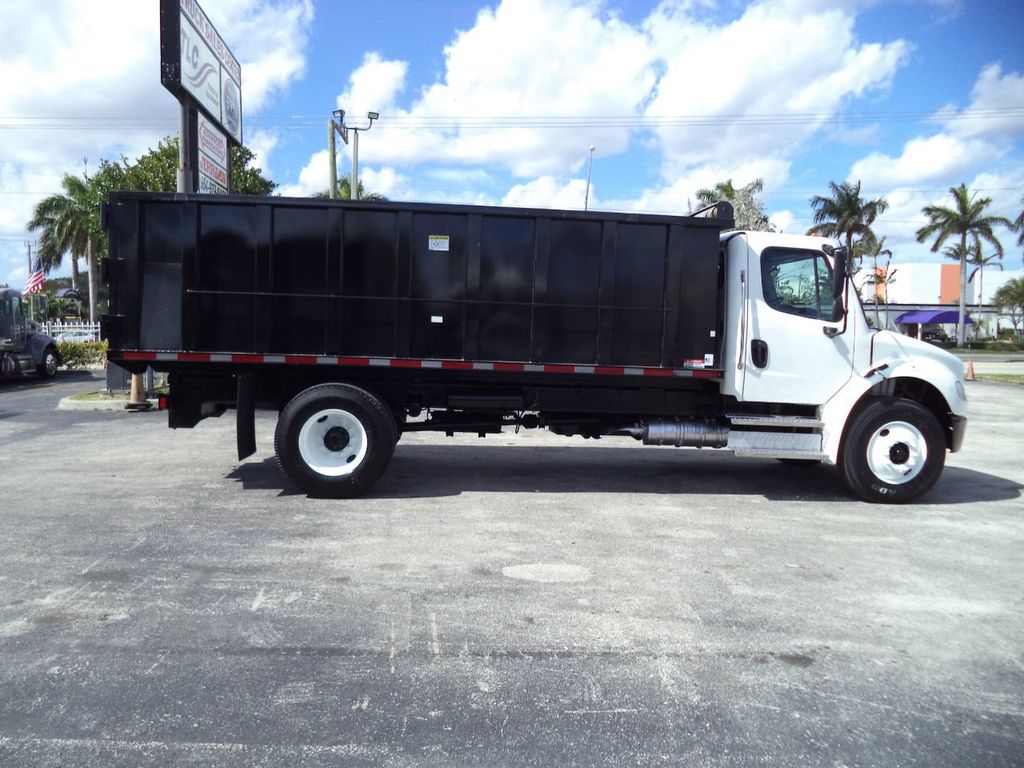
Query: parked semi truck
(359, 322)
(23, 347)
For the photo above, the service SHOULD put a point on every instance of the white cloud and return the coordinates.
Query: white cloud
(679, 195)
(81, 80)
(373, 87)
(547, 192)
(785, 221)
(524, 67)
(995, 108)
(970, 138)
(924, 160)
(314, 177)
(385, 181)
(785, 75)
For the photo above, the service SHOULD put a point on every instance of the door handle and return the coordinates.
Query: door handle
(759, 352)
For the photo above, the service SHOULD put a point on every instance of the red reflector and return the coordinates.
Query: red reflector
(161, 403)
(405, 363)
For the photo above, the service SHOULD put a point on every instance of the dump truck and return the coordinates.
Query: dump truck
(359, 322)
(24, 349)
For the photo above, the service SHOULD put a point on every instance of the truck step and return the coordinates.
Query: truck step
(774, 453)
(781, 444)
(759, 420)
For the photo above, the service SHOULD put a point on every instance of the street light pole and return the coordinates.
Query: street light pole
(590, 167)
(343, 132)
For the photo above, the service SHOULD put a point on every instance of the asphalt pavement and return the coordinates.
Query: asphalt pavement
(522, 600)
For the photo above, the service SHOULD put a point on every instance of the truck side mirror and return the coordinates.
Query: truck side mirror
(838, 310)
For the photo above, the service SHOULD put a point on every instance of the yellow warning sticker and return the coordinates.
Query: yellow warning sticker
(437, 242)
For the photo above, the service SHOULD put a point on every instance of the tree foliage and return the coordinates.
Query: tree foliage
(844, 214)
(344, 192)
(68, 222)
(747, 206)
(157, 171)
(1010, 299)
(968, 220)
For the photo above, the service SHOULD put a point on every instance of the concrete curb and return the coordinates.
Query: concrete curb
(70, 404)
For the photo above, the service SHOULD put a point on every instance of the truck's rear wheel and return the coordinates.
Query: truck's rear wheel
(334, 440)
(893, 451)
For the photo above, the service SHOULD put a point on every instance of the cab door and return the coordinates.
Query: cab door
(794, 352)
(19, 328)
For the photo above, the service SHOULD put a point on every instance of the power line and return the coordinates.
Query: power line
(553, 122)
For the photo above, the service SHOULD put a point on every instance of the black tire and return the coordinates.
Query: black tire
(893, 451)
(335, 440)
(48, 368)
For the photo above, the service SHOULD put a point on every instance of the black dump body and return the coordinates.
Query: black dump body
(300, 291)
(200, 273)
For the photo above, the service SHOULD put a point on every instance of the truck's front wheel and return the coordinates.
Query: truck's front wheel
(893, 451)
(334, 440)
(47, 369)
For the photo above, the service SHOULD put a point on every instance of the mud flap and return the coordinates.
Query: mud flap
(245, 417)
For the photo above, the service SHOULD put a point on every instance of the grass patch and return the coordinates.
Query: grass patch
(1002, 378)
(90, 397)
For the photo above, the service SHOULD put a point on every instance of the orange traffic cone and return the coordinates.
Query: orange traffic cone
(970, 371)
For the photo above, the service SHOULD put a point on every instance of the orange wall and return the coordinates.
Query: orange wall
(949, 284)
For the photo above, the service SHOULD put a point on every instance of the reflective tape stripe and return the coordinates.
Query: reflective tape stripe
(404, 362)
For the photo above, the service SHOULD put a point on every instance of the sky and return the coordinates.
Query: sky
(499, 103)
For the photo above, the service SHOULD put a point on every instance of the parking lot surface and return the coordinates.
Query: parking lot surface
(524, 600)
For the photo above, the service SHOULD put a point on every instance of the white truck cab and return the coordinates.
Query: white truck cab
(813, 382)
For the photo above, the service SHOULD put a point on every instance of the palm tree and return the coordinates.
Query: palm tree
(345, 192)
(875, 249)
(69, 223)
(968, 220)
(845, 214)
(748, 210)
(1010, 299)
(724, 190)
(980, 262)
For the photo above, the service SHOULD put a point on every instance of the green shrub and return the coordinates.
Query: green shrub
(76, 355)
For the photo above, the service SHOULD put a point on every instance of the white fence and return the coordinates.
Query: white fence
(58, 329)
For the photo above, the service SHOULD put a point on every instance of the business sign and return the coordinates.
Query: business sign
(214, 160)
(195, 62)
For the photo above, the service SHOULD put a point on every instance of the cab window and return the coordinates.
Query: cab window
(797, 282)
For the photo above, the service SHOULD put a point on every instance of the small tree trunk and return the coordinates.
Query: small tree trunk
(74, 272)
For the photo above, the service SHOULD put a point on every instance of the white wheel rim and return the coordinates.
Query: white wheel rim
(332, 442)
(897, 452)
(51, 363)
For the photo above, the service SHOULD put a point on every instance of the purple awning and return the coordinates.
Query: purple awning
(924, 316)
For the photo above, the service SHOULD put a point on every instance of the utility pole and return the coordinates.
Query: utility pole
(332, 152)
(343, 130)
(28, 248)
(590, 167)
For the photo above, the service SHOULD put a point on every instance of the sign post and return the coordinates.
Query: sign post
(197, 66)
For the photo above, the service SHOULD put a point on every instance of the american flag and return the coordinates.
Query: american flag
(35, 280)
